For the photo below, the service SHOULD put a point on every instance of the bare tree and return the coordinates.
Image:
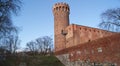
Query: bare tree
(32, 47)
(39, 42)
(7, 8)
(111, 20)
(12, 43)
(47, 42)
(42, 45)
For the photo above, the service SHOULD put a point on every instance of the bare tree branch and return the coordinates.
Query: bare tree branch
(111, 20)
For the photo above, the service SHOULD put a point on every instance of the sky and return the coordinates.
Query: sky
(36, 17)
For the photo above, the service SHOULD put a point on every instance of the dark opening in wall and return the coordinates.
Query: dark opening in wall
(90, 30)
(85, 29)
(63, 32)
(57, 9)
(89, 40)
(80, 28)
(98, 31)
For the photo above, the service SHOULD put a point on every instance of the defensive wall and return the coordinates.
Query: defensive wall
(77, 45)
(100, 52)
(78, 34)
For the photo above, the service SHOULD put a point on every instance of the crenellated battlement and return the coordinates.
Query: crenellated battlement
(95, 30)
(61, 7)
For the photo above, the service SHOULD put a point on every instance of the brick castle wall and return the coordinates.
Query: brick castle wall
(104, 50)
(76, 43)
(77, 34)
(70, 35)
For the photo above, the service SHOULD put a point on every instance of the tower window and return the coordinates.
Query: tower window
(66, 9)
(60, 8)
(57, 8)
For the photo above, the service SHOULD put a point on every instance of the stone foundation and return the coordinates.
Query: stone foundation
(66, 61)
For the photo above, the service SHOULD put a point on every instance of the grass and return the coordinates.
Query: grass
(43, 61)
(36, 60)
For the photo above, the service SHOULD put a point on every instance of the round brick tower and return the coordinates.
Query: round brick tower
(61, 21)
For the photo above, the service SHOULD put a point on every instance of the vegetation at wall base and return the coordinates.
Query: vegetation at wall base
(43, 61)
(36, 60)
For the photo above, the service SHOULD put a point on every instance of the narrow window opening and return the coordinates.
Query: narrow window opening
(57, 8)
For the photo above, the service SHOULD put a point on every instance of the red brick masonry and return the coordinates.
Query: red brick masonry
(105, 49)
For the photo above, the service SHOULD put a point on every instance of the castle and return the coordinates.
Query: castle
(77, 45)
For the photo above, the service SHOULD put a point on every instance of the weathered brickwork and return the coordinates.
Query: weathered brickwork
(61, 21)
(104, 50)
(77, 45)
(77, 34)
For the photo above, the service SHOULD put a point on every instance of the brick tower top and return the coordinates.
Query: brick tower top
(61, 7)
